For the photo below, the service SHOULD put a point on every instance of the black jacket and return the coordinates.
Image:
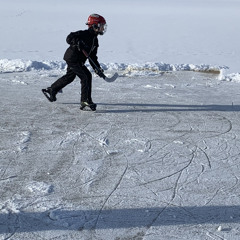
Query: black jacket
(86, 40)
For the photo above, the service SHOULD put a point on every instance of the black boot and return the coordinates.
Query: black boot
(50, 94)
(88, 106)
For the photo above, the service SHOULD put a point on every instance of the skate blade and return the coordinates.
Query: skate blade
(87, 109)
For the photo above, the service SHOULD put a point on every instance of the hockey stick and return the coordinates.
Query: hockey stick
(101, 74)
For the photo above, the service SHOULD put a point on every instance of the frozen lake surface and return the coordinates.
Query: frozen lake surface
(160, 157)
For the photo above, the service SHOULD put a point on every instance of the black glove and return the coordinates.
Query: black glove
(99, 72)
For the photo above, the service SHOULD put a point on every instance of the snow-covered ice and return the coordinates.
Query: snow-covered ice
(159, 159)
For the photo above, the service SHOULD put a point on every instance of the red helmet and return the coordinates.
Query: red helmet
(98, 23)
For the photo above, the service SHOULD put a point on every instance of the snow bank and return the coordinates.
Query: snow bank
(233, 77)
(123, 69)
(155, 68)
(19, 65)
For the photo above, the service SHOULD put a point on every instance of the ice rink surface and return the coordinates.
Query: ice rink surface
(159, 157)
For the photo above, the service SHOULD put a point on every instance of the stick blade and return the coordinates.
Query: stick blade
(111, 79)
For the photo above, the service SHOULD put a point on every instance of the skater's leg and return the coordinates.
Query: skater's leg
(86, 80)
(88, 103)
(64, 80)
(52, 91)
(89, 84)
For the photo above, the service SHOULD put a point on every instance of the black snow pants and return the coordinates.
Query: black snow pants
(73, 70)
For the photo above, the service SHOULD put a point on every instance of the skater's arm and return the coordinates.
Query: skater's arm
(94, 58)
(73, 38)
